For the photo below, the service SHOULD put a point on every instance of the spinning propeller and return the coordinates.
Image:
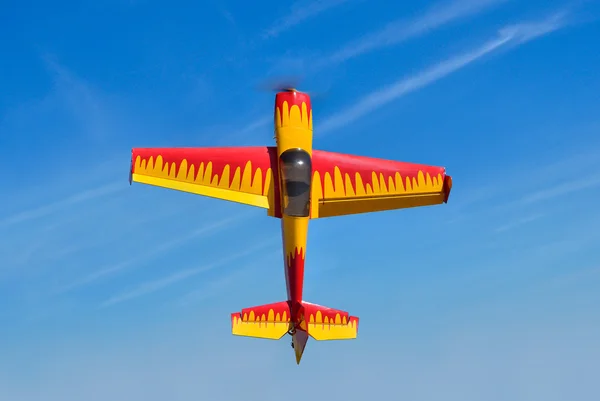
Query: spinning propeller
(280, 84)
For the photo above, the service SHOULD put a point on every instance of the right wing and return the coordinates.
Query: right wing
(346, 184)
(238, 174)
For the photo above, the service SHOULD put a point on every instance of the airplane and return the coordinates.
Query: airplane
(294, 183)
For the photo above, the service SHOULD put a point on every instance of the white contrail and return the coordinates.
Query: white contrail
(511, 35)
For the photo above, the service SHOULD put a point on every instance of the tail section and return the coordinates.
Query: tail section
(271, 321)
(321, 323)
(303, 320)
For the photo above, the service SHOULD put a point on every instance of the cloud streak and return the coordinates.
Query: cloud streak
(560, 190)
(519, 222)
(216, 286)
(156, 251)
(155, 285)
(402, 30)
(300, 12)
(54, 207)
(509, 36)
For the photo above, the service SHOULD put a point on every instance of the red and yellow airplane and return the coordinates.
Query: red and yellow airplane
(295, 184)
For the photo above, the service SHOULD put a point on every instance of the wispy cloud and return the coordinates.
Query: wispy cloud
(156, 251)
(510, 35)
(54, 207)
(507, 189)
(525, 31)
(86, 105)
(402, 30)
(565, 188)
(152, 286)
(544, 180)
(556, 179)
(228, 16)
(248, 131)
(300, 12)
(256, 124)
(519, 222)
(218, 285)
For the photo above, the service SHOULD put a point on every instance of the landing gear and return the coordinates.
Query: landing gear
(291, 332)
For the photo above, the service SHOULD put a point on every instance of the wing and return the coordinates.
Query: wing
(237, 174)
(346, 184)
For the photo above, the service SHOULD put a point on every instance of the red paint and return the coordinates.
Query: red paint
(447, 187)
(274, 162)
(278, 308)
(325, 162)
(295, 276)
(292, 98)
(259, 156)
(312, 309)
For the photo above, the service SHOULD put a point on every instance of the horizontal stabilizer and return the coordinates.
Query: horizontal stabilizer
(324, 323)
(269, 321)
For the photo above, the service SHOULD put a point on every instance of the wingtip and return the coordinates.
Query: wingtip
(131, 168)
(447, 187)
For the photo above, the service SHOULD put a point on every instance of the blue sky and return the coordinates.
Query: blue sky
(112, 292)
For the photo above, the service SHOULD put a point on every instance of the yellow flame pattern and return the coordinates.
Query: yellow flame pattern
(271, 325)
(248, 185)
(340, 185)
(293, 127)
(293, 116)
(338, 328)
(336, 196)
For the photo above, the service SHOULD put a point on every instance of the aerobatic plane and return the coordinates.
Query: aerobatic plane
(294, 183)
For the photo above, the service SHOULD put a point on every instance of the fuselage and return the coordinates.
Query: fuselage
(293, 133)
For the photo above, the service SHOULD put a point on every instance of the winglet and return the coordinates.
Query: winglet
(131, 169)
(447, 187)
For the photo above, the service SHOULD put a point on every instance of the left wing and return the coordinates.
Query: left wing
(238, 174)
(346, 184)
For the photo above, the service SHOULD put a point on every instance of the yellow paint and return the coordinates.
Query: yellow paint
(267, 330)
(270, 325)
(246, 185)
(335, 195)
(331, 329)
(229, 195)
(293, 127)
(342, 207)
(295, 233)
(315, 195)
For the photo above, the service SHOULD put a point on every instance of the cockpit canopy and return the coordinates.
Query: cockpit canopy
(296, 171)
